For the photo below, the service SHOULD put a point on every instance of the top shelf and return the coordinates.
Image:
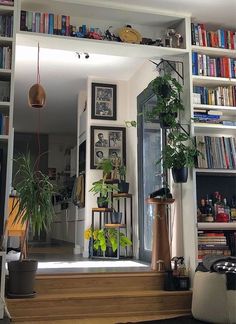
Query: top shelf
(96, 46)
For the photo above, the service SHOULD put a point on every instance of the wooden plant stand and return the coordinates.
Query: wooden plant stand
(160, 240)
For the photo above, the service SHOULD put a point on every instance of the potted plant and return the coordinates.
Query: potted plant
(123, 186)
(105, 239)
(168, 94)
(35, 209)
(104, 186)
(179, 154)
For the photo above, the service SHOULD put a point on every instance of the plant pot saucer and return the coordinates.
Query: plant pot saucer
(11, 295)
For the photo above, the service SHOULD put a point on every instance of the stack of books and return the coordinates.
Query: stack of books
(212, 243)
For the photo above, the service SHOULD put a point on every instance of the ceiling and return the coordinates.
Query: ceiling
(63, 74)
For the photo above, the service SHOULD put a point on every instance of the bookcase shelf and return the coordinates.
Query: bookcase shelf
(214, 128)
(215, 171)
(217, 226)
(226, 109)
(6, 9)
(4, 138)
(5, 72)
(212, 81)
(214, 51)
(6, 40)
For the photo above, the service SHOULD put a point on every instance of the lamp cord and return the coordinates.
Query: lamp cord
(39, 117)
(38, 73)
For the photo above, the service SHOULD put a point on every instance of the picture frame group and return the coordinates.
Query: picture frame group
(104, 101)
(107, 142)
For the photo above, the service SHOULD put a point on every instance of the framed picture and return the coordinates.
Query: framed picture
(103, 101)
(107, 142)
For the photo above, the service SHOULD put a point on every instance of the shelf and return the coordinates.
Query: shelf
(225, 109)
(5, 9)
(5, 72)
(4, 138)
(102, 210)
(212, 81)
(217, 226)
(96, 46)
(122, 195)
(4, 106)
(214, 128)
(6, 40)
(115, 225)
(216, 171)
(214, 51)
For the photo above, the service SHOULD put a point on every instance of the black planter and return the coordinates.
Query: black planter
(167, 119)
(21, 278)
(102, 202)
(180, 175)
(123, 187)
(116, 218)
(109, 252)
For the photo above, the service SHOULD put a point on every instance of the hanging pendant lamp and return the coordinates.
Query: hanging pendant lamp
(37, 95)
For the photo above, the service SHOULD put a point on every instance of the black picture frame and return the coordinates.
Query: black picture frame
(104, 103)
(105, 142)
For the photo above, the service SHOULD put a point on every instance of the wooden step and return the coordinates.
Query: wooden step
(105, 282)
(85, 305)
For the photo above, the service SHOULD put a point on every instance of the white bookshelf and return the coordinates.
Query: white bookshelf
(208, 129)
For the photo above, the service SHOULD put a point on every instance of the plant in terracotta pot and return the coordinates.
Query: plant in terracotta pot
(179, 154)
(35, 210)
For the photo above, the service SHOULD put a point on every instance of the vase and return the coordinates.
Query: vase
(180, 175)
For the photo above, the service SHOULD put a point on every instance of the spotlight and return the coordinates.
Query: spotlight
(86, 55)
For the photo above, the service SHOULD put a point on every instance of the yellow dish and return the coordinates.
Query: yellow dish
(130, 35)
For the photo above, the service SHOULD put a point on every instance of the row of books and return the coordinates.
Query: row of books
(219, 96)
(205, 65)
(218, 152)
(220, 38)
(4, 124)
(7, 2)
(4, 91)
(6, 25)
(5, 57)
(47, 23)
(216, 242)
(208, 116)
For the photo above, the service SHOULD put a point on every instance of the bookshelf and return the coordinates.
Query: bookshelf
(209, 180)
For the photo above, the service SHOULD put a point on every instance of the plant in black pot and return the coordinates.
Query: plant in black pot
(105, 239)
(35, 210)
(179, 154)
(169, 103)
(123, 186)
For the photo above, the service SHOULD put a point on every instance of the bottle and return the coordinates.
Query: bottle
(209, 211)
(202, 209)
(233, 209)
(227, 209)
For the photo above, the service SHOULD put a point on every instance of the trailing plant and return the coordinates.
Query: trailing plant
(180, 150)
(169, 103)
(106, 237)
(34, 191)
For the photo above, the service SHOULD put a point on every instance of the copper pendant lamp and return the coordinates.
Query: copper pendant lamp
(37, 95)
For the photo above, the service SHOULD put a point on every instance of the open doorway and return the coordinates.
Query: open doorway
(64, 77)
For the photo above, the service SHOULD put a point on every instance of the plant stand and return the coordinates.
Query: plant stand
(127, 210)
(103, 214)
(160, 241)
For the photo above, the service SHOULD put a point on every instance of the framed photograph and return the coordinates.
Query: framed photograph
(103, 101)
(107, 142)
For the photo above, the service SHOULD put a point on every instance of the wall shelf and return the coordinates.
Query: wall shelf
(214, 51)
(217, 226)
(212, 81)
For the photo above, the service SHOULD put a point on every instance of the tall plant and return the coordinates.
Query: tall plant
(35, 192)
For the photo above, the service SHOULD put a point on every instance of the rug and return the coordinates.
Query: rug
(175, 320)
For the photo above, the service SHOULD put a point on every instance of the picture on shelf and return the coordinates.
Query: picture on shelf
(103, 101)
(107, 143)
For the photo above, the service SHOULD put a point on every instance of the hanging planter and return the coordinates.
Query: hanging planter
(37, 95)
(180, 175)
(167, 119)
